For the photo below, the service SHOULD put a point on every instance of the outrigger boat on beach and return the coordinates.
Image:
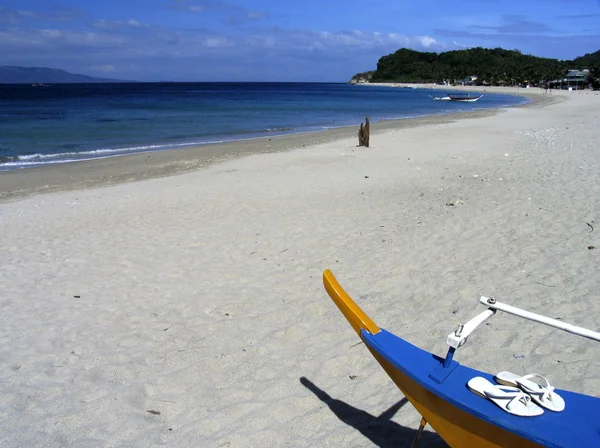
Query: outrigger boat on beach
(437, 387)
(463, 98)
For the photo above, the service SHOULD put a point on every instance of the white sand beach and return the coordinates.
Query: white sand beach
(188, 310)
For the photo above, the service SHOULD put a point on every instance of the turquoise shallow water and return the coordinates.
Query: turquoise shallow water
(60, 123)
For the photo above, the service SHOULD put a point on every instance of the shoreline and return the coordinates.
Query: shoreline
(19, 183)
(529, 92)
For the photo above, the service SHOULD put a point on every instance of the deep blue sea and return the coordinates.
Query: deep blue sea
(59, 123)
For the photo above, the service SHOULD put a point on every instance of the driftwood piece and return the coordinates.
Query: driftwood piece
(364, 134)
(361, 138)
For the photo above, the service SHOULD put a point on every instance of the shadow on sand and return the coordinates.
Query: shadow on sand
(382, 431)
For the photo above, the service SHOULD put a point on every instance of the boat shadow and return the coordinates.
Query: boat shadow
(381, 430)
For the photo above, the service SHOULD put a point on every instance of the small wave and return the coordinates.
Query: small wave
(99, 152)
(277, 130)
(74, 156)
(21, 164)
(7, 159)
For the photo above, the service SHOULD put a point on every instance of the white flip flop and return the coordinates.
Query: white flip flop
(512, 399)
(536, 386)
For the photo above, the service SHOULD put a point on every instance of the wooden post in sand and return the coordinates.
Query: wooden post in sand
(363, 134)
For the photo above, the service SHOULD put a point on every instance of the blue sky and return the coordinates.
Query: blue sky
(277, 40)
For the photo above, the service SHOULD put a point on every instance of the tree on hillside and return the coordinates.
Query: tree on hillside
(491, 66)
(595, 79)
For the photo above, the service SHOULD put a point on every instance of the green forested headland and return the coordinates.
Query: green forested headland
(491, 66)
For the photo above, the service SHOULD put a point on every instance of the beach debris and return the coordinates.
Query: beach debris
(353, 377)
(77, 297)
(590, 226)
(591, 247)
(364, 134)
(366, 177)
(518, 356)
(151, 411)
(454, 203)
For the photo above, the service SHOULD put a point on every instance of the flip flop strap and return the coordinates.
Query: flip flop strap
(522, 397)
(542, 381)
(545, 389)
(503, 392)
(514, 393)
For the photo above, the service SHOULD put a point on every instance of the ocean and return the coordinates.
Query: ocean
(61, 123)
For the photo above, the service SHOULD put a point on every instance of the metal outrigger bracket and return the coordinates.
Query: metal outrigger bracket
(455, 340)
(459, 337)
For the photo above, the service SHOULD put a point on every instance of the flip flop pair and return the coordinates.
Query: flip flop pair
(537, 387)
(524, 396)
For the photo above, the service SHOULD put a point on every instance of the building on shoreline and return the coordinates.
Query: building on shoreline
(575, 79)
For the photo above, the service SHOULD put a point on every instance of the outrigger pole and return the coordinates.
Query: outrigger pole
(580, 331)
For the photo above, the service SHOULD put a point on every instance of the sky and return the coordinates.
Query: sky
(277, 40)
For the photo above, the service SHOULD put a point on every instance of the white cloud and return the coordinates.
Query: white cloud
(134, 23)
(427, 41)
(456, 44)
(115, 24)
(232, 12)
(50, 34)
(15, 16)
(217, 42)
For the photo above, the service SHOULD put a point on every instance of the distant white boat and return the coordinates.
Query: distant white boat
(464, 98)
(440, 98)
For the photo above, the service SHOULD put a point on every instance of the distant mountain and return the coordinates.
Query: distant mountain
(44, 75)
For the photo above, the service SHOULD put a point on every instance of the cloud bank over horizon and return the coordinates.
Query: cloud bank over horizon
(265, 40)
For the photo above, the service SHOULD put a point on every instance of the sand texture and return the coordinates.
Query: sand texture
(188, 310)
